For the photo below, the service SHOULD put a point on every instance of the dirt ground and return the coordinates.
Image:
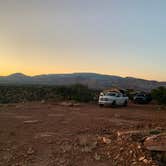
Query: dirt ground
(52, 134)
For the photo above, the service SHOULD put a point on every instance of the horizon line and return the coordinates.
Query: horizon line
(33, 75)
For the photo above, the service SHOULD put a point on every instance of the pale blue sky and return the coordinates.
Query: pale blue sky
(119, 37)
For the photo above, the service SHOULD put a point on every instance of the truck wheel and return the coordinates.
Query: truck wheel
(101, 105)
(125, 103)
(113, 104)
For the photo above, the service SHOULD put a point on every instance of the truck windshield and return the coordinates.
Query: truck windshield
(111, 94)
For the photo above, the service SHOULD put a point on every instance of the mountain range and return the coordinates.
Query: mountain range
(92, 80)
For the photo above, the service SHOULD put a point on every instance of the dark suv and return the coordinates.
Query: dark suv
(142, 98)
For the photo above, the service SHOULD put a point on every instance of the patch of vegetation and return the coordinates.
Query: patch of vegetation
(159, 95)
(16, 94)
(155, 132)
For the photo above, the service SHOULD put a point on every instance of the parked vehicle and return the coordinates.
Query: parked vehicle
(113, 99)
(142, 98)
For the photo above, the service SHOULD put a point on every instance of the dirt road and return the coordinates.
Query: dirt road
(50, 134)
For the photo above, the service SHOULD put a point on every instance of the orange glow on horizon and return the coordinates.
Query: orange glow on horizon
(40, 72)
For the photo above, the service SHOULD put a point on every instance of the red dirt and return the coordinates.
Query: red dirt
(37, 134)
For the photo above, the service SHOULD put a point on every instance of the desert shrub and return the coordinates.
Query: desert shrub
(159, 95)
(20, 93)
(81, 93)
(130, 93)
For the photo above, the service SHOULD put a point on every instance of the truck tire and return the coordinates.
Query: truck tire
(125, 103)
(113, 104)
(101, 105)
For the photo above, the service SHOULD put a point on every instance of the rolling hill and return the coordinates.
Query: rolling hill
(92, 80)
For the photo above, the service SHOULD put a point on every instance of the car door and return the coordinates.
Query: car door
(119, 99)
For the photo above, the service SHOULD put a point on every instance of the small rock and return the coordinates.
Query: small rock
(134, 163)
(31, 121)
(131, 151)
(62, 161)
(108, 155)
(156, 143)
(145, 161)
(106, 140)
(97, 157)
(30, 151)
(44, 134)
(67, 104)
(141, 158)
(117, 157)
(76, 104)
(66, 148)
(43, 101)
(121, 149)
(139, 147)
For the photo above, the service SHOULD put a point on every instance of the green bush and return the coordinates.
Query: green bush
(15, 94)
(159, 95)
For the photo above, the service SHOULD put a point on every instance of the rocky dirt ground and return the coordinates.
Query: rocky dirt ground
(52, 134)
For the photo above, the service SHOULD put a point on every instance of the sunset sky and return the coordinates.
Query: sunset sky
(116, 37)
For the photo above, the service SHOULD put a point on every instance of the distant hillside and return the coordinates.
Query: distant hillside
(92, 80)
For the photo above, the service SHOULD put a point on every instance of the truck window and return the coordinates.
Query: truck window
(111, 94)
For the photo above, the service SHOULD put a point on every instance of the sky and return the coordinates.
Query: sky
(116, 37)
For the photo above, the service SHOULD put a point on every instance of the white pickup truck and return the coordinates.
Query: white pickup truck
(113, 99)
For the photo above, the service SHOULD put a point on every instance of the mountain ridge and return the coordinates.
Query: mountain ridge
(92, 80)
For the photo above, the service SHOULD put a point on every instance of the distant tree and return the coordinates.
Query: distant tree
(159, 95)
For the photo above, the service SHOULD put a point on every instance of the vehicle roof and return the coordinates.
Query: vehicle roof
(114, 90)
